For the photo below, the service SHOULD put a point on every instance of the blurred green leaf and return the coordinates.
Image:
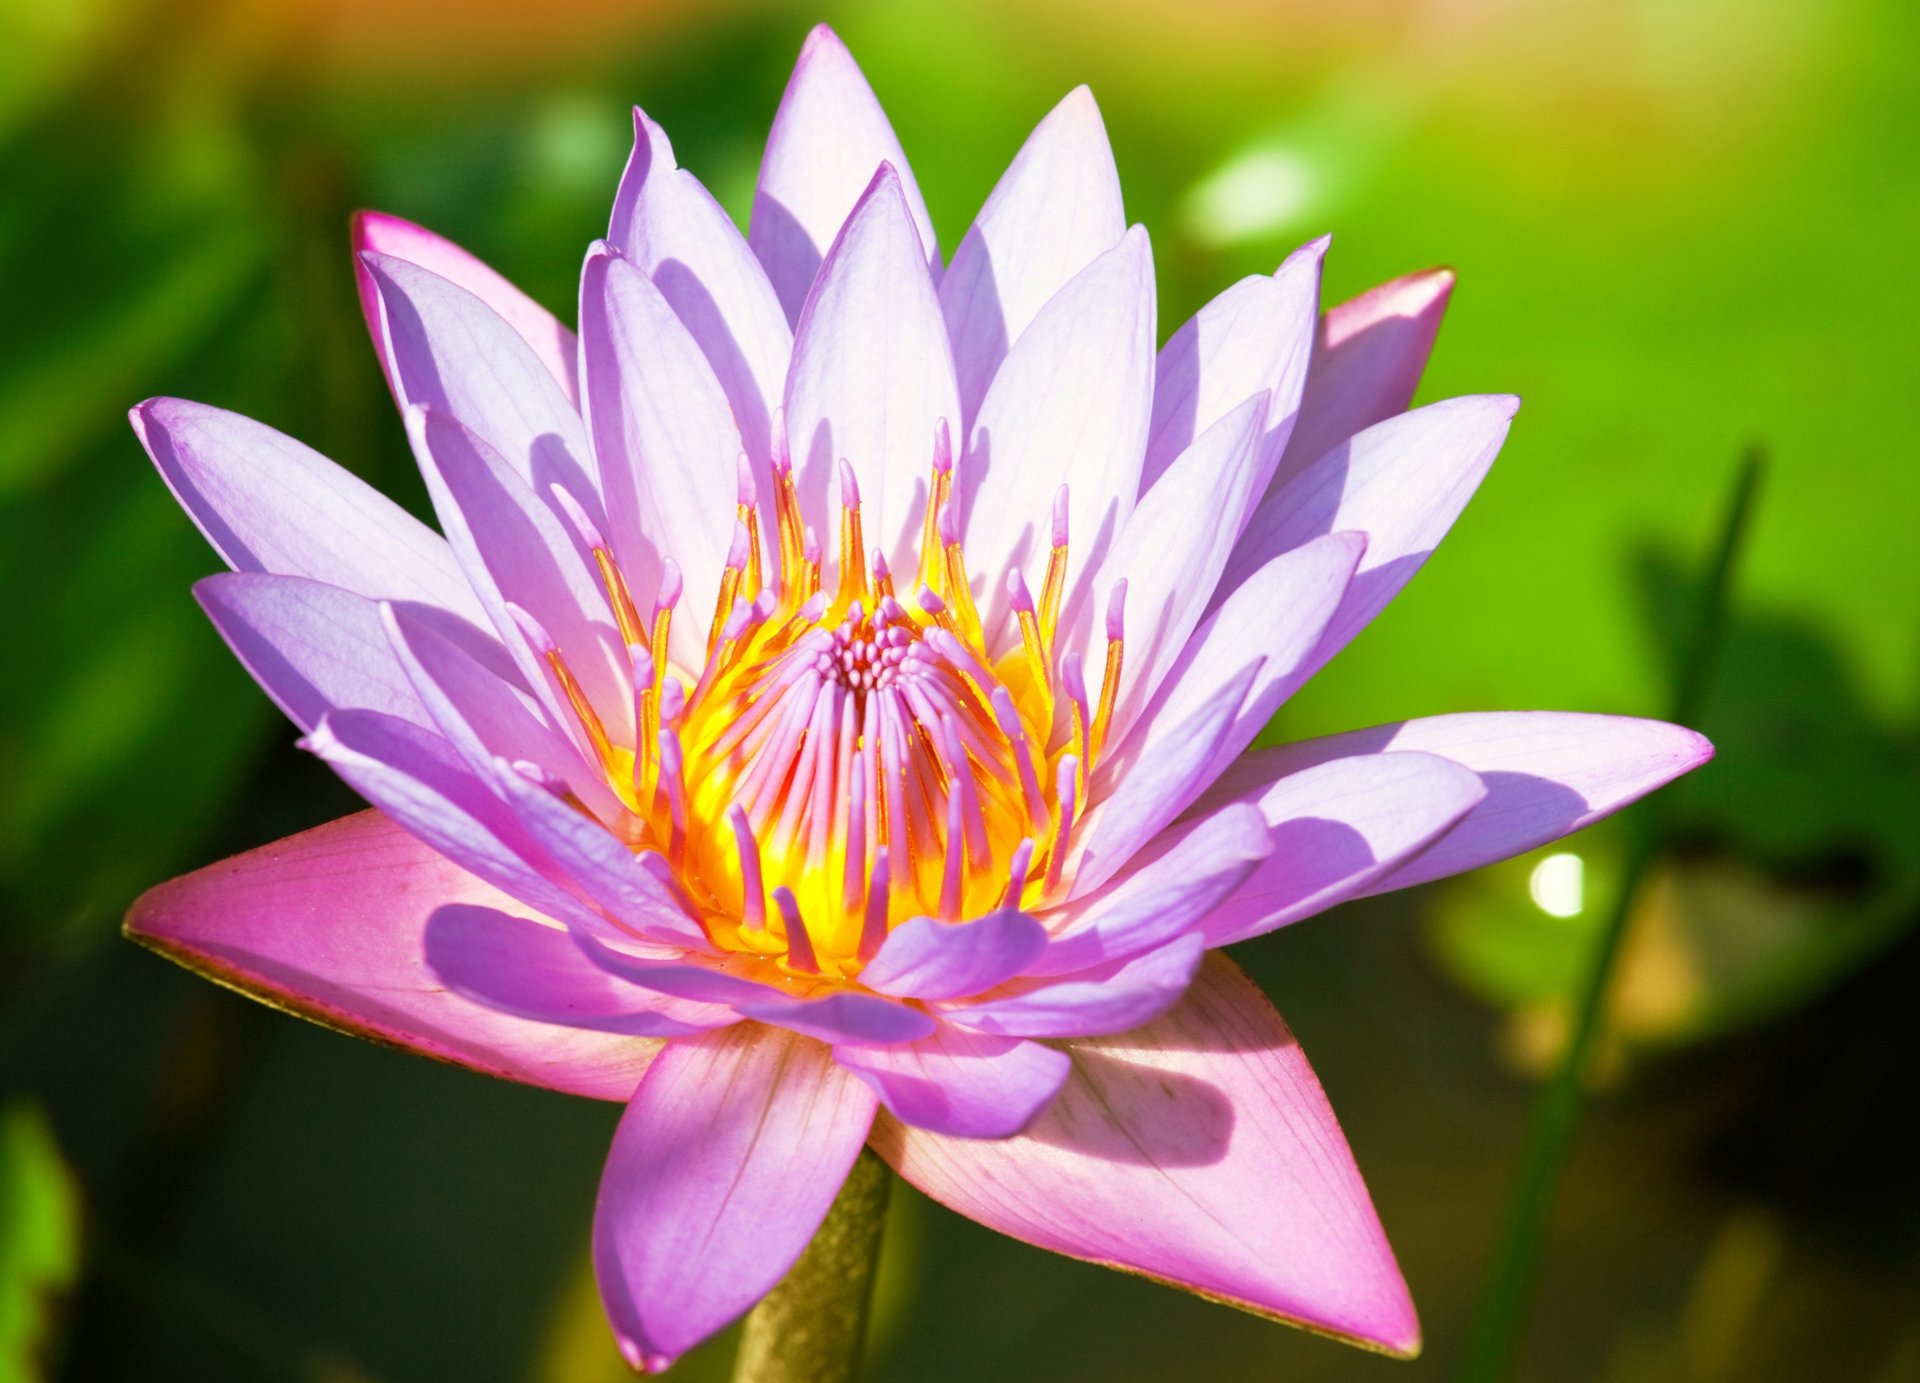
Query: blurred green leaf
(39, 1238)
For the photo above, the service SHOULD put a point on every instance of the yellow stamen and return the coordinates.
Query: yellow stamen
(583, 709)
(624, 615)
(729, 588)
(1051, 591)
(939, 491)
(1036, 650)
(1109, 693)
(786, 508)
(750, 516)
(959, 595)
(853, 574)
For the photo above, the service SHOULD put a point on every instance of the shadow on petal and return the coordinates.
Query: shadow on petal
(1118, 1109)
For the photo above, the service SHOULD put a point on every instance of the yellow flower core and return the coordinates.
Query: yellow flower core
(847, 759)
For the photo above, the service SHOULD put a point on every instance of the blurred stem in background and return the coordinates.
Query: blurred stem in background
(810, 1328)
(1490, 1348)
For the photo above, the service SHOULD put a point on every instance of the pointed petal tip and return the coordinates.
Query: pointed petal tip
(1396, 1334)
(138, 417)
(821, 36)
(1691, 749)
(1315, 248)
(1080, 106)
(366, 228)
(144, 919)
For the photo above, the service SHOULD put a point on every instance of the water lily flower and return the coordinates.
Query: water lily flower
(822, 722)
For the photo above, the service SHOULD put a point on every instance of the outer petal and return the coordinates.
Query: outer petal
(846, 1017)
(1257, 336)
(550, 342)
(1547, 773)
(871, 373)
(925, 958)
(328, 924)
(1166, 889)
(840, 1017)
(1109, 998)
(517, 554)
(968, 1084)
(828, 138)
(1277, 617)
(1176, 544)
(1070, 405)
(1198, 1150)
(725, 1164)
(484, 716)
(534, 970)
(1171, 770)
(670, 226)
(313, 647)
(269, 504)
(1053, 211)
(1367, 362)
(664, 442)
(634, 889)
(417, 779)
(449, 350)
(1237, 670)
(682, 977)
(1402, 482)
(1337, 829)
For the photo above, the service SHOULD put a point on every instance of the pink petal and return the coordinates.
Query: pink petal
(1171, 769)
(970, 1085)
(664, 441)
(1069, 404)
(725, 1164)
(1053, 211)
(671, 227)
(517, 553)
(1104, 999)
(1547, 774)
(451, 351)
(845, 1017)
(1337, 828)
(683, 977)
(1256, 337)
(313, 647)
(486, 716)
(1198, 1150)
(828, 138)
(1175, 545)
(416, 778)
(871, 375)
(635, 889)
(925, 958)
(1402, 482)
(535, 971)
(1239, 667)
(1367, 362)
(269, 504)
(1166, 889)
(328, 924)
(550, 342)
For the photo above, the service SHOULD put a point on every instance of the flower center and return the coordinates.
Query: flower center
(849, 759)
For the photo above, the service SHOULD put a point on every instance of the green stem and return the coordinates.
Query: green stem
(1490, 1349)
(809, 1329)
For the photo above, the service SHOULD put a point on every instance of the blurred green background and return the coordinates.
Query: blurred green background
(1682, 227)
